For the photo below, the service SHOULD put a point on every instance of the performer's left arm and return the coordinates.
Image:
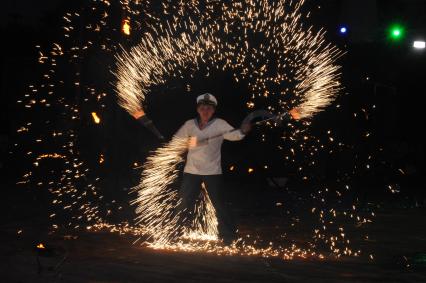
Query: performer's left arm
(232, 134)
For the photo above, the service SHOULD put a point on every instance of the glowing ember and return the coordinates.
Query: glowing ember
(40, 246)
(126, 27)
(95, 117)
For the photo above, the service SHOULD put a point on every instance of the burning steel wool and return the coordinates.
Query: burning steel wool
(305, 76)
(157, 198)
(305, 70)
(267, 46)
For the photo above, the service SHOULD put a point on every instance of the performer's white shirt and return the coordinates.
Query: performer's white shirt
(205, 159)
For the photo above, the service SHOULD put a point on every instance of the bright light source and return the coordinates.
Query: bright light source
(96, 118)
(419, 44)
(40, 246)
(126, 27)
(396, 32)
(343, 30)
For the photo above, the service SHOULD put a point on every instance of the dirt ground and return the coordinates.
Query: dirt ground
(398, 242)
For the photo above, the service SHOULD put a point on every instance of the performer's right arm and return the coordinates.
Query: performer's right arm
(183, 133)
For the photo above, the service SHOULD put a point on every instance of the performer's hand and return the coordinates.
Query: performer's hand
(295, 114)
(246, 128)
(138, 114)
(192, 142)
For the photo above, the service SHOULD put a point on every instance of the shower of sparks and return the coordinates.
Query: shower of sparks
(266, 46)
(156, 199)
(291, 63)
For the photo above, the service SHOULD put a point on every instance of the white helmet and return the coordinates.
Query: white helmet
(207, 98)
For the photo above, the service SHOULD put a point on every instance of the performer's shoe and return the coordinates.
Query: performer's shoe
(227, 241)
(228, 238)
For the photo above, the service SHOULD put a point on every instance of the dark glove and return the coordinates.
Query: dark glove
(285, 117)
(246, 128)
(147, 123)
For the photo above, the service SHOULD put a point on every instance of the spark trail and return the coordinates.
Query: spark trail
(269, 47)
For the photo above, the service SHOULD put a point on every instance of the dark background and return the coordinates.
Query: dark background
(384, 85)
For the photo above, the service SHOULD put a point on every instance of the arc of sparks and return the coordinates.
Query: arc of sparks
(292, 60)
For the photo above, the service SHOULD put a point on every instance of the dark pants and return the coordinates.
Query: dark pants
(190, 191)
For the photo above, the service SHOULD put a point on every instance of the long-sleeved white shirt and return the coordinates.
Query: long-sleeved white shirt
(205, 158)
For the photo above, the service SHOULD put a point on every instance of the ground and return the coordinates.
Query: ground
(398, 240)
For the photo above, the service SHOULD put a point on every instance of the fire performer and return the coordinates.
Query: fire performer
(203, 164)
(205, 136)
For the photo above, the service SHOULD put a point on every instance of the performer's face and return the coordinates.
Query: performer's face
(206, 112)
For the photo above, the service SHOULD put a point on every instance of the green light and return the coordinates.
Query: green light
(396, 32)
